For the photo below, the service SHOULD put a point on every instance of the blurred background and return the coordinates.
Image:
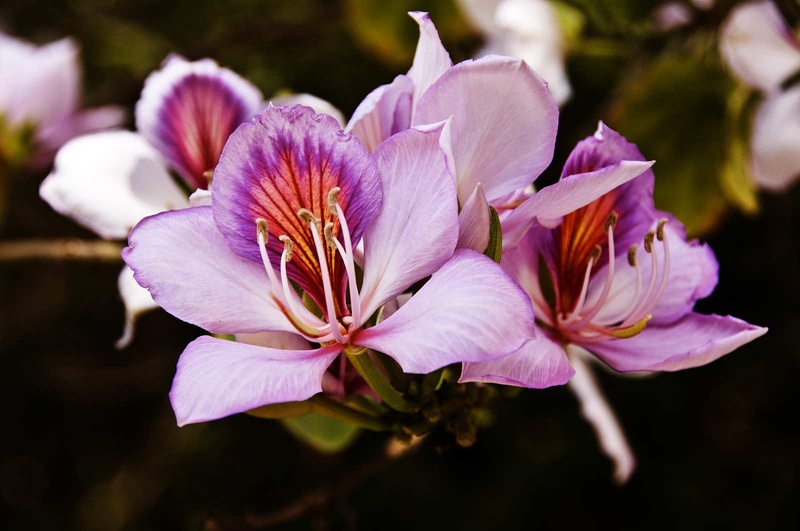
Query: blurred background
(89, 439)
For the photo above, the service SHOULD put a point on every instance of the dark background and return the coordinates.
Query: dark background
(88, 437)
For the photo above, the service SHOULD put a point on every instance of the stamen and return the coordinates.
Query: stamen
(262, 231)
(665, 275)
(328, 231)
(333, 199)
(620, 318)
(637, 312)
(308, 216)
(349, 262)
(326, 278)
(209, 176)
(288, 247)
(585, 286)
(611, 222)
(648, 241)
(632, 255)
(660, 229)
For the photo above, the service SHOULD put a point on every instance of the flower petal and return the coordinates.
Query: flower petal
(384, 112)
(431, 60)
(474, 222)
(692, 341)
(415, 232)
(286, 160)
(468, 311)
(759, 46)
(550, 204)
(189, 109)
(540, 363)
(137, 301)
(109, 181)
(217, 378)
(319, 105)
(504, 123)
(598, 412)
(184, 261)
(775, 141)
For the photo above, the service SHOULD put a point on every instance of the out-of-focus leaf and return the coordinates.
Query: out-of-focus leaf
(676, 110)
(125, 45)
(322, 433)
(385, 30)
(494, 249)
(735, 178)
(571, 21)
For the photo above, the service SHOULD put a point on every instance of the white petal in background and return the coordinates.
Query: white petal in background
(775, 144)
(109, 181)
(137, 301)
(758, 45)
(319, 105)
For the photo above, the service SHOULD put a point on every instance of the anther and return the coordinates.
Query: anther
(288, 246)
(611, 221)
(648, 241)
(262, 228)
(660, 229)
(333, 199)
(208, 176)
(595, 254)
(307, 216)
(632, 254)
(328, 231)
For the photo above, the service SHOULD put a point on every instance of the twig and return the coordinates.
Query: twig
(66, 249)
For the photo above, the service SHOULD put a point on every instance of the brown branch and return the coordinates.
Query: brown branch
(66, 249)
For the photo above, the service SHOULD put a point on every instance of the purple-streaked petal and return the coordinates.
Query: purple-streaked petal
(776, 137)
(286, 160)
(693, 275)
(417, 228)
(383, 113)
(137, 301)
(759, 46)
(184, 261)
(547, 206)
(504, 123)
(541, 362)
(109, 181)
(217, 378)
(319, 105)
(598, 412)
(692, 341)
(431, 60)
(189, 109)
(468, 311)
(474, 222)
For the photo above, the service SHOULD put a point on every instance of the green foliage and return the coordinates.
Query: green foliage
(322, 433)
(676, 108)
(494, 249)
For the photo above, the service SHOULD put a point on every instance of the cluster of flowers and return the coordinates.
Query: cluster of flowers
(412, 234)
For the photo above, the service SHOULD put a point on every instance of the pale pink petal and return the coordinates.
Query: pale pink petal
(431, 60)
(759, 46)
(319, 105)
(775, 144)
(692, 341)
(87, 121)
(541, 362)
(217, 378)
(279, 340)
(597, 411)
(504, 123)
(137, 301)
(416, 230)
(384, 112)
(184, 261)
(468, 311)
(109, 181)
(547, 206)
(474, 222)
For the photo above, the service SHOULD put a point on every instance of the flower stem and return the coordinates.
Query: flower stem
(363, 363)
(66, 249)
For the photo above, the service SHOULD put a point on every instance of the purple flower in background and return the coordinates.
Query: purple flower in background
(503, 127)
(41, 90)
(293, 196)
(607, 272)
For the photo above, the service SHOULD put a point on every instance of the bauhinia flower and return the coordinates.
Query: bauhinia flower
(613, 276)
(109, 181)
(503, 123)
(528, 29)
(40, 97)
(763, 52)
(293, 197)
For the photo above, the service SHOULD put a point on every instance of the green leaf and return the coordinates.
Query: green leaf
(676, 110)
(324, 434)
(494, 249)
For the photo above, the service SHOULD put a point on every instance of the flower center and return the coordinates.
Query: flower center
(337, 325)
